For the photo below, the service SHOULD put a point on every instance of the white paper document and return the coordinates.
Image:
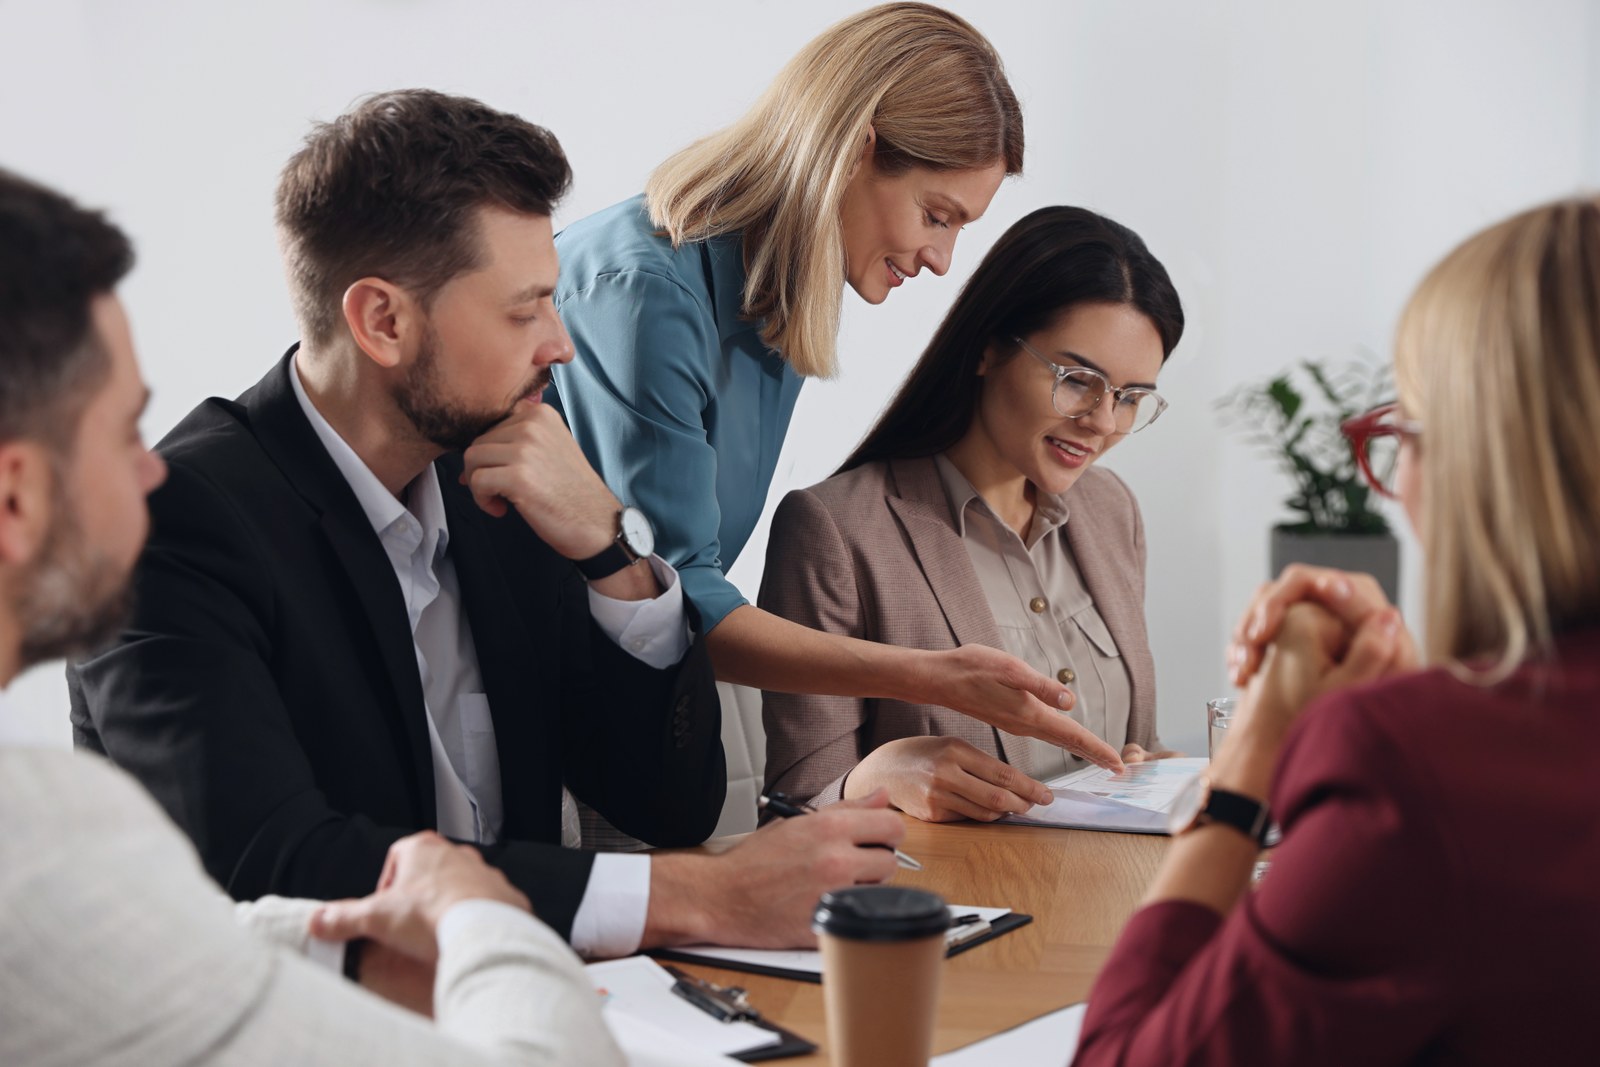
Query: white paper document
(1048, 1041)
(810, 962)
(640, 1003)
(645, 1045)
(1136, 800)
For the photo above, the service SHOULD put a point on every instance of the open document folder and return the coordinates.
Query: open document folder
(1135, 801)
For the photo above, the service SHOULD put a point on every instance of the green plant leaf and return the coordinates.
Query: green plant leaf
(1295, 416)
(1286, 397)
(1333, 395)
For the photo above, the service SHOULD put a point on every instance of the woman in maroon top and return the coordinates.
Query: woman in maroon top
(1436, 897)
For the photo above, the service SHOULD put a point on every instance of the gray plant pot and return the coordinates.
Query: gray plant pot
(1374, 554)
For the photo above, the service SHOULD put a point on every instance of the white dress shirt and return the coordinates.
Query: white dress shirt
(466, 765)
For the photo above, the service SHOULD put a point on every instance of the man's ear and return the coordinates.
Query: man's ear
(26, 500)
(383, 319)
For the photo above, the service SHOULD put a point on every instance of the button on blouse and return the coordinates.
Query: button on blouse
(1044, 613)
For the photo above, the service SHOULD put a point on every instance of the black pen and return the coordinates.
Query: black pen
(780, 806)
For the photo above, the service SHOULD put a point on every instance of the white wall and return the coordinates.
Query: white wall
(1297, 167)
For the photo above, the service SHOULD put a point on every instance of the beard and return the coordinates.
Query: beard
(452, 427)
(71, 600)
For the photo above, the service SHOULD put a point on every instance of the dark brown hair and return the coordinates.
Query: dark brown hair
(1047, 262)
(391, 189)
(55, 258)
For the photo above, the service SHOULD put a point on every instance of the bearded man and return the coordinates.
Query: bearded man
(385, 592)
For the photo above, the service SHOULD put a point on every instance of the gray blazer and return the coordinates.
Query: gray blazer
(874, 553)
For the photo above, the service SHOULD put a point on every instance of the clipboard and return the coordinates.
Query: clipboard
(1004, 924)
(790, 1044)
(651, 1007)
(717, 1000)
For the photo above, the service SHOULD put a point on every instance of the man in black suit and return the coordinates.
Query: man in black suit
(363, 608)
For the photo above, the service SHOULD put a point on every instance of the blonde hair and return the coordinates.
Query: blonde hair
(929, 85)
(1498, 354)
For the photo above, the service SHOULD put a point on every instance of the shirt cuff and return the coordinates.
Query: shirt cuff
(328, 954)
(654, 632)
(467, 914)
(611, 915)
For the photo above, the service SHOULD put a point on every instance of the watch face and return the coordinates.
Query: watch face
(637, 532)
(1189, 803)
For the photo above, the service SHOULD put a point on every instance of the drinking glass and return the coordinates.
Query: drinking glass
(1219, 716)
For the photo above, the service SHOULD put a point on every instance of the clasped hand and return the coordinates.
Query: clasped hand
(1351, 598)
(1311, 631)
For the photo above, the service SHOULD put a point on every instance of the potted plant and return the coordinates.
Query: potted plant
(1295, 418)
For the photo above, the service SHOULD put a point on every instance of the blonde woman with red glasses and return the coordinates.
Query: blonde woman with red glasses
(1433, 900)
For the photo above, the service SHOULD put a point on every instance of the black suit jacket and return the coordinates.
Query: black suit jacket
(267, 689)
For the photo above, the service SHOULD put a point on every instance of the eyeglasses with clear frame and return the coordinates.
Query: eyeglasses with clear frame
(1375, 440)
(1078, 391)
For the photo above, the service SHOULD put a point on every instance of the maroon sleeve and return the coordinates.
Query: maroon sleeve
(1341, 956)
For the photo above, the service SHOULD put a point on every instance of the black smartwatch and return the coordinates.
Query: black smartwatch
(1198, 804)
(635, 540)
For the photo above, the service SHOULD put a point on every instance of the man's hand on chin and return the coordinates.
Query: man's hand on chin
(530, 462)
(761, 893)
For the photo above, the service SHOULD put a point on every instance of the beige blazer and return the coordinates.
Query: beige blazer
(874, 553)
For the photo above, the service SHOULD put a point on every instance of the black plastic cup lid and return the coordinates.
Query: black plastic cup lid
(881, 913)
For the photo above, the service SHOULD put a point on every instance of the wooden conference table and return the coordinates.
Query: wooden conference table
(1080, 887)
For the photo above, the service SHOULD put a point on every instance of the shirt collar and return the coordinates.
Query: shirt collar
(424, 499)
(958, 491)
(1050, 509)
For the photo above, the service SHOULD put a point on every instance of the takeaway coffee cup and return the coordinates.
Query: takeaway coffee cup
(882, 957)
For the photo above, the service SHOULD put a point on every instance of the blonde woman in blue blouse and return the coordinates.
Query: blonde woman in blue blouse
(698, 309)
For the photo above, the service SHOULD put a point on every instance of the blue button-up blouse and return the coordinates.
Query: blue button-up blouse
(673, 395)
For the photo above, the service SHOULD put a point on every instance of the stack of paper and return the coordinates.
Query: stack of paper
(1135, 801)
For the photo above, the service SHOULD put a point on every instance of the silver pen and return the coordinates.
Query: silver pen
(784, 808)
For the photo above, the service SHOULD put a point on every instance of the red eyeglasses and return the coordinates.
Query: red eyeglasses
(1375, 442)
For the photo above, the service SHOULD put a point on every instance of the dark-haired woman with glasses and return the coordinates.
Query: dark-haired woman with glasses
(1433, 898)
(974, 513)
